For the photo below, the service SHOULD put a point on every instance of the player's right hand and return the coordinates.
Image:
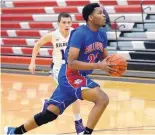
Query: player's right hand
(103, 65)
(32, 67)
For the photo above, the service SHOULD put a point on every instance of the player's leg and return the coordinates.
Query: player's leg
(39, 119)
(91, 91)
(51, 71)
(78, 121)
(54, 75)
(100, 100)
(76, 110)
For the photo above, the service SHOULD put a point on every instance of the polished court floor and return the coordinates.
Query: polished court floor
(131, 109)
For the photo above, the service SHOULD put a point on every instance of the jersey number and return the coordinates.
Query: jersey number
(92, 57)
(63, 53)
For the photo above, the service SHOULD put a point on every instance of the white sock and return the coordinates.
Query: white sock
(77, 117)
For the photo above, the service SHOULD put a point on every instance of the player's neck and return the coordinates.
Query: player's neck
(64, 34)
(93, 27)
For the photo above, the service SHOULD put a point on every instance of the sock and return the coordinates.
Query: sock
(77, 122)
(77, 117)
(20, 130)
(88, 131)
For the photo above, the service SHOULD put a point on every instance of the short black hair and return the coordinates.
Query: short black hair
(65, 15)
(88, 9)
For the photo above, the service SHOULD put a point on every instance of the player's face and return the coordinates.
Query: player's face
(65, 24)
(98, 17)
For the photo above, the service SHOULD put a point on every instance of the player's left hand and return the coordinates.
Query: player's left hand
(32, 67)
(106, 67)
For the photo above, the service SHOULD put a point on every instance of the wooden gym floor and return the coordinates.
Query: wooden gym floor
(131, 109)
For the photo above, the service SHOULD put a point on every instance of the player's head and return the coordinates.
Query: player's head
(64, 21)
(93, 13)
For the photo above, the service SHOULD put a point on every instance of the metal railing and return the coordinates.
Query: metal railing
(142, 12)
(143, 21)
(117, 28)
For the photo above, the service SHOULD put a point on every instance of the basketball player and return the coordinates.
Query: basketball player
(86, 47)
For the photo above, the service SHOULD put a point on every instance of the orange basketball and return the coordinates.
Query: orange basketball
(119, 62)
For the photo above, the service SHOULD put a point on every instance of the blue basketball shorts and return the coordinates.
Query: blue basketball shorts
(69, 89)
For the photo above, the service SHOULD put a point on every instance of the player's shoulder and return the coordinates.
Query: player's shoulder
(56, 31)
(81, 30)
(102, 30)
(71, 28)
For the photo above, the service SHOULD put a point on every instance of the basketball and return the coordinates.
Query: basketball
(119, 62)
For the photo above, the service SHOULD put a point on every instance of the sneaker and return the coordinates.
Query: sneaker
(9, 130)
(45, 105)
(79, 127)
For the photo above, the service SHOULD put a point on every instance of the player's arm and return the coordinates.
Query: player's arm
(75, 64)
(105, 54)
(43, 40)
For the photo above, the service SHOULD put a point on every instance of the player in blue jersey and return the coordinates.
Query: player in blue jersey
(86, 47)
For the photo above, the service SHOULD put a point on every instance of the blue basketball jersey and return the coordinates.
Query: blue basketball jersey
(73, 82)
(90, 43)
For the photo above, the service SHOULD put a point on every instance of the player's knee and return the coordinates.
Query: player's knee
(103, 99)
(44, 117)
(54, 109)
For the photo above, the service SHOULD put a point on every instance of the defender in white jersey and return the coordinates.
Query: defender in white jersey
(59, 39)
(59, 46)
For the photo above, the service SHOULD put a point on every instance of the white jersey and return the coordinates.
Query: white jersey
(59, 47)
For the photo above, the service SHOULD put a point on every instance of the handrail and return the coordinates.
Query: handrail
(142, 9)
(147, 7)
(119, 18)
(117, 47)
(118, 28)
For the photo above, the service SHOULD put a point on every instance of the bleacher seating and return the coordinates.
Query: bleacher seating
(24, 21)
